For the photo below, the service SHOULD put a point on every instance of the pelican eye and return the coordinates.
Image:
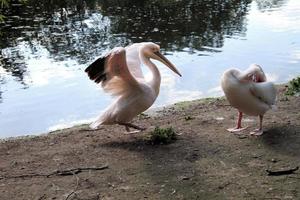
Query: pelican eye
(155, 51)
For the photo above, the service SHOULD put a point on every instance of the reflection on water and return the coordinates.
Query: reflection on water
(42, 58)
(81, 33)
(269, 5)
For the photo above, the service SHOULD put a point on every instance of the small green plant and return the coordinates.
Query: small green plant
(293, 87)
(162, 135)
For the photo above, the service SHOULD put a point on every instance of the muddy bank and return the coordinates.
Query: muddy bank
(205, 162)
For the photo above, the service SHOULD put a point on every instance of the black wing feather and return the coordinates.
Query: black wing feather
(96, 70)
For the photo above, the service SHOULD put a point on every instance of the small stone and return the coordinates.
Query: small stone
(274, 160)
(155, 30)
(124, 188)
(185, 178)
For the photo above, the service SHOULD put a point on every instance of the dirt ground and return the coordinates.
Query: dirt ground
(206, 162)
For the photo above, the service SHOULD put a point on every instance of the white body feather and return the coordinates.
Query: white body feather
(249, 97)
(125, 108)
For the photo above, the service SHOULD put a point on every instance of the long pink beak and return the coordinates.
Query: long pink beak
(165, 61)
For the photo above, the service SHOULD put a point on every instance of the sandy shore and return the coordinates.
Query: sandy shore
(206, 162)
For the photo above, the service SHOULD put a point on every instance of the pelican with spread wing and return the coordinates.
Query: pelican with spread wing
(120, 74)
(250, 93)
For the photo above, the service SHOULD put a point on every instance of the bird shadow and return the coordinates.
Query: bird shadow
(283, 139)
(135, 144)
(181, 146)
(142, 145)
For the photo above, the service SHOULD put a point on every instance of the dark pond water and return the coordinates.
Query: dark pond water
(46, 46)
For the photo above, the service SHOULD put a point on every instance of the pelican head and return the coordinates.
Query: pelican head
(254, 73)
(152, 50)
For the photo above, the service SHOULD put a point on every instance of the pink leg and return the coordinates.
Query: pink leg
(129, 125)
(238, 125)
(239, 122)
(259, 131)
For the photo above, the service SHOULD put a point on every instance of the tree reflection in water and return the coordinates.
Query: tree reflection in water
(82, 30)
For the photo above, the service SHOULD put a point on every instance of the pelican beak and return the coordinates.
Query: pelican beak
(165, 61)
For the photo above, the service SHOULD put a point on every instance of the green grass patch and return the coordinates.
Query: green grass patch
(186, 104)
(162, 135)
(183, 104)
(293, 87)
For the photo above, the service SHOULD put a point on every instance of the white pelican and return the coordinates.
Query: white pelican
(120, 74)
(250, 93)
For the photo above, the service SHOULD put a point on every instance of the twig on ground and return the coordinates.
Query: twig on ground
(42, 197)
(282, 172)
(67, 172)
(220, 105)
(89, 129)
(294, 177)
(75, 189)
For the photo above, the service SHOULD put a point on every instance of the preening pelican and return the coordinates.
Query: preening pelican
(250, 93)
(120, 74)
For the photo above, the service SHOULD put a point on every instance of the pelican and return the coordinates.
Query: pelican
(250, 93)
(120, 74)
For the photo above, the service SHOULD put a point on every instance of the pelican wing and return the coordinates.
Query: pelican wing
(133, 60)
(265, 92)
(113, 73)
